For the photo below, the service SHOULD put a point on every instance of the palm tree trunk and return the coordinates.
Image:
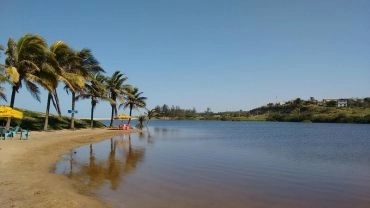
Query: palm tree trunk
(14, 91)
(92, 113)
(111, 117)
(73, 110)
(129, 119)
(46, 123)
(57, 103)
(12, 99)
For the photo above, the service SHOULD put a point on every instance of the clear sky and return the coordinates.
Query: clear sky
(222, 54)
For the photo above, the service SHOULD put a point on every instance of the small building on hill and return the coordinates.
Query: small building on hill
(341, 103)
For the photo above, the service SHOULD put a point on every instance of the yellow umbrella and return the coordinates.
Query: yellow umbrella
(123, 117)
(6, 112)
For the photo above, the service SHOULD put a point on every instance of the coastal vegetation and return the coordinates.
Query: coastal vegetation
(34, 121)
(356, 111)
(298, 110)
(30, 62)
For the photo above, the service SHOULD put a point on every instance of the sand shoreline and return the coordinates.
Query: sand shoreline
(25, 176)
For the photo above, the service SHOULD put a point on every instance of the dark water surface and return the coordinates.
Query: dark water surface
(228, 164)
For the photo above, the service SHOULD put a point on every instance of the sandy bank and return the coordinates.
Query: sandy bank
(25, 177)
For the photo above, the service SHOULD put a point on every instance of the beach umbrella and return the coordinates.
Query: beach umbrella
(122, 117)
(8, 112)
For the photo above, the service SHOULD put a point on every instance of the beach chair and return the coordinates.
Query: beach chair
(24, 134)
(9, 133)
(14, 131)
(5, 133)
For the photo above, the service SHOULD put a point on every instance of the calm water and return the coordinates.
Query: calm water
(228, 164)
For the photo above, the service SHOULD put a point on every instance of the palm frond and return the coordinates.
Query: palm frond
(27, 66)
(90, 62)
(12, 74)
(74, 82)
(65, 56)
(3, 94)
(32, 47)
(33, 89)
(11, 53)
(83, 96)
(47, 77)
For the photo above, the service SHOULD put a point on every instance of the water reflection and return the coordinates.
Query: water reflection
(228, 164)
(89, 166)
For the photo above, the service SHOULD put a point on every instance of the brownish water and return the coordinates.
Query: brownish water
(228, 164)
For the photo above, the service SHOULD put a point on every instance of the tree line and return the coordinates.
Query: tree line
(31, 63)
(165, 111)
(298, 110)
(175, 112)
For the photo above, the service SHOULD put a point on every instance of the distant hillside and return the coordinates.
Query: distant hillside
(333, 111)
(35, 121)
(298, 110)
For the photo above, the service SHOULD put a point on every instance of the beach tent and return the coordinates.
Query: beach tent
(8, 112)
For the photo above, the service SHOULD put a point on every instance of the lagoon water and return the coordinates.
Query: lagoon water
(182, 164)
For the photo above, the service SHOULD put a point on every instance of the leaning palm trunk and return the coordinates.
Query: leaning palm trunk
(46, 124)
(73, 110)
(57, 103)
(12, 99)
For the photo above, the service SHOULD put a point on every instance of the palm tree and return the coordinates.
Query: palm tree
(134, 100)
(141, 120)
(151, 114)
(86, 66)
(60, 59)
(117, 88)
(24, 59)
(94, 90)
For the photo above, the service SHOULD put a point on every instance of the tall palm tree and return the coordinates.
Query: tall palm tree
(117, 88)
(134, 100)
(94, 90)
(86, 66)
(23, 59)
(61, 57)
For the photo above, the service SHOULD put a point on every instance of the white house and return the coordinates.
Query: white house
(342, 103)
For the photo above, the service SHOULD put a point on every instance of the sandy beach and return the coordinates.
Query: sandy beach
(26, 179)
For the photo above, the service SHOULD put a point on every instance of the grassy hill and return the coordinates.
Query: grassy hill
(357, 111)
(307, 111)
(35, 121)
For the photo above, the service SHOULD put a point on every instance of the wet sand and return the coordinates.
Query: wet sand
(26, 179)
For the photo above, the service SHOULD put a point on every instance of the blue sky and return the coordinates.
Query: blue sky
(222, 54)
